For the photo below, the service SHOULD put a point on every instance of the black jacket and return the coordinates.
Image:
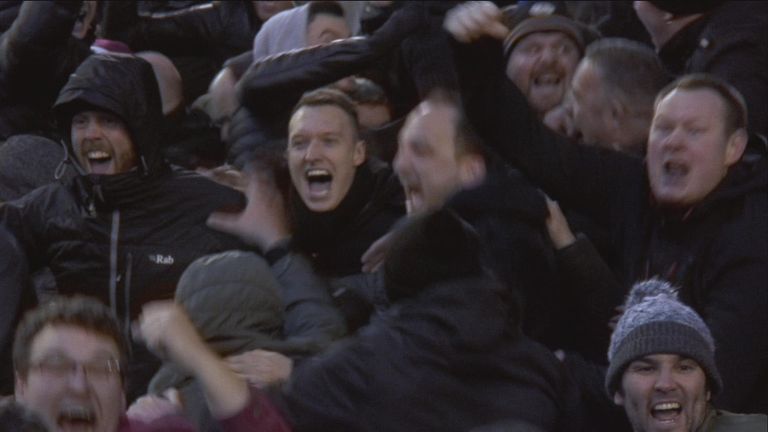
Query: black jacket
(509, 213)
(198, 37)
(37, 54)
(730, 42)
(124, 238)
(717, 254)
(447, 359)
(13, 283)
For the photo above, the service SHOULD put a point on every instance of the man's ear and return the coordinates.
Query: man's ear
(471, 170)
(737, 142)
(618, 398)
(359, 157)
(619, 111)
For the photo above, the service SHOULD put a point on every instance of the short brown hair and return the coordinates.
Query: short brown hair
(735, 107)
(328, 96)
(78, 311)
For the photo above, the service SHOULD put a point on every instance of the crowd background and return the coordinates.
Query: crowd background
(357, 203)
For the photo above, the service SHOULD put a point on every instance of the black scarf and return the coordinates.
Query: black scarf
(109, 192)
(323, 235)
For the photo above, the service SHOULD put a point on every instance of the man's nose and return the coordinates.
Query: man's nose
(665, 380)
(313, 150)
(400, 162)
(78, 380)
(92, 130)
(675, 138)
(548, 56)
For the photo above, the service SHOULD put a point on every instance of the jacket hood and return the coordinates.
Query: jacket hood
(125, 86)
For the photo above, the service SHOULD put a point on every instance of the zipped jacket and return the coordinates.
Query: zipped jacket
(124, 239)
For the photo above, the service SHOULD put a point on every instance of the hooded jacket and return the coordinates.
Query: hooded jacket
(126, 238)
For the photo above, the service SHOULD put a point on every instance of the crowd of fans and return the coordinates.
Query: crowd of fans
(383, 215)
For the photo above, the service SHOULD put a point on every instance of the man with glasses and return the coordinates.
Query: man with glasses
(68, 355)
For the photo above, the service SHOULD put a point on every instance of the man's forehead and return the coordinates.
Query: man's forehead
(71, 339)
(430, 125)
(543, 37)
(340, 118)
(691, 102)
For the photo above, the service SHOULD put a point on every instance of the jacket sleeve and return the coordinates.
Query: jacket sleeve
(260, 414)
(735, 308)
(24, 221)
(584, 178)
(309, 311)
(202, 26)
(38, 32)
(592, 288)
(283, 78)
(13, 286)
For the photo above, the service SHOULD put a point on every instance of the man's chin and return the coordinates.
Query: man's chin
(320, 204)
(543, 101)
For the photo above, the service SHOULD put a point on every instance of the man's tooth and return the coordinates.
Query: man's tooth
(667, 406)
(98, 154)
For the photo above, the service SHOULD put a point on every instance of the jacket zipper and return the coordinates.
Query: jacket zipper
(113, 238)
(127, 294)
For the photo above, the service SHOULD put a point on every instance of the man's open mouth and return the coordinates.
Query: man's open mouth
(414, 198)
(675, 171)
(666, 411)
(76, 418)
(99, 161)
(319, 182)
(548, 80)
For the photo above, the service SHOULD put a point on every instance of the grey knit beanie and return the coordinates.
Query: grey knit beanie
(656, 322)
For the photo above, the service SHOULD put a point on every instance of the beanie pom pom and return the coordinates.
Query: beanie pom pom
(650, 288)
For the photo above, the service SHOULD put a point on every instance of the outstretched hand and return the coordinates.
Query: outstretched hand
(261, 368)
(166, 329)
(149, 408)
(472, 20)
(263, 222)
(373, 258)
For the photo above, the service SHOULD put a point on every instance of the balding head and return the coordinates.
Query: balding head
(223, 100)
(168, 79)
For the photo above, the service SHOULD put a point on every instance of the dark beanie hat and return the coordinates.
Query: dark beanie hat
(682, 8)
(543, 16)
(428, 249)
(656, 322)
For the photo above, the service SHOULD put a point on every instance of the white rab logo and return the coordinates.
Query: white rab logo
(161, 259)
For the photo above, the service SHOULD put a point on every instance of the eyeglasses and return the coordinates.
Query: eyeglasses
(62, 367)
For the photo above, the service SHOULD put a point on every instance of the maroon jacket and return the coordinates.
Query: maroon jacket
(259, 415)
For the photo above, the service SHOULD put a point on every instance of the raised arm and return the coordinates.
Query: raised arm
(583, 178)
(167, 330)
